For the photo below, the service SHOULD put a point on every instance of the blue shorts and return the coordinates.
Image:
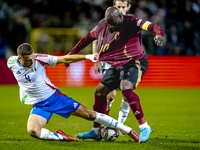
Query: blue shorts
(57, 103)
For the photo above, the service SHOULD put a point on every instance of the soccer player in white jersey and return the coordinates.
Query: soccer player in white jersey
(36, 89)
(123, 6)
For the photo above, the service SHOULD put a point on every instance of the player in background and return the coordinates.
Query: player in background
(123, 6)
(36, 89)
(120, 45)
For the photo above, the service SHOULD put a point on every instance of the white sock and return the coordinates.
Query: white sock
(144, 125)
(46, 134)
(109, 104)
(110, 122)
(96, 130)
(123, 112)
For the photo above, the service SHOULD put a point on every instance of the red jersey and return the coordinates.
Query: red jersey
(122, 46)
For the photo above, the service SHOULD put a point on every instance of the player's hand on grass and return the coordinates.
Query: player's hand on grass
(97, 68)
(159, 40)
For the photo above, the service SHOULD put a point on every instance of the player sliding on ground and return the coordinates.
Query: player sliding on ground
(36, 89)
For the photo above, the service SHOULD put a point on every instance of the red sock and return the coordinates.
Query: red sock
(99, 106)
(134, 103)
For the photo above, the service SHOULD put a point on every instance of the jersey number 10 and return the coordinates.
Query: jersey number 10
(104, 48)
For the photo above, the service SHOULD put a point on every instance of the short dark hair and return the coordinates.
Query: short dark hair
(111, 14)
(128, 2)
(24, 49)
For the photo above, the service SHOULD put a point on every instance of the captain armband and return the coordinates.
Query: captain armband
(145, 25)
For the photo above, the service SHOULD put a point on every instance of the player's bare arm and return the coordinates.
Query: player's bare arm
(74, 58)
(151, 27)
(67, 64)
(94, 49)
(96, 56)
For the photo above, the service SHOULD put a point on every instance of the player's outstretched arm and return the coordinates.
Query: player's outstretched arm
(151, 27)
(67, 64)
(75, 58)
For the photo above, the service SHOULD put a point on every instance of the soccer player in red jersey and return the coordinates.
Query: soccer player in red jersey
(120, 45)
(123, 6)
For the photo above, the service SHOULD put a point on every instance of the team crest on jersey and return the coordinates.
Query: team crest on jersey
(117, 36)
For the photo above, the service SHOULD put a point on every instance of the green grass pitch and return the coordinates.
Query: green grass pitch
(173, 114)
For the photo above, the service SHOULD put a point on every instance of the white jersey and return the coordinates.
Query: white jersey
(34, 84)
(104, 67)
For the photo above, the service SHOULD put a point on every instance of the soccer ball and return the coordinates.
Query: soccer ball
(109, 134)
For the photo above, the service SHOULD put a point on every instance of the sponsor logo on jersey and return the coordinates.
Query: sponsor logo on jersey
(18, 72)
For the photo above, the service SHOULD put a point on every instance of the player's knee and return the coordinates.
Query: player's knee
(111, 96)
(98, 92)
(125, 85)
(101, 90)
(33, 131)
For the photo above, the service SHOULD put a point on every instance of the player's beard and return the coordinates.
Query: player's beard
(112, 30)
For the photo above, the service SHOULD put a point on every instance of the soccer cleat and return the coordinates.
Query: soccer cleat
(107, 112)
(89, 135)
(144, 134)
(134, 135)
(66, 137)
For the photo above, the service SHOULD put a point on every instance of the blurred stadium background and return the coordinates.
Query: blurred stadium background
(55, 26)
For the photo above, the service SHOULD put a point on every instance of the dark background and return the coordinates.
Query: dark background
(179, 19)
